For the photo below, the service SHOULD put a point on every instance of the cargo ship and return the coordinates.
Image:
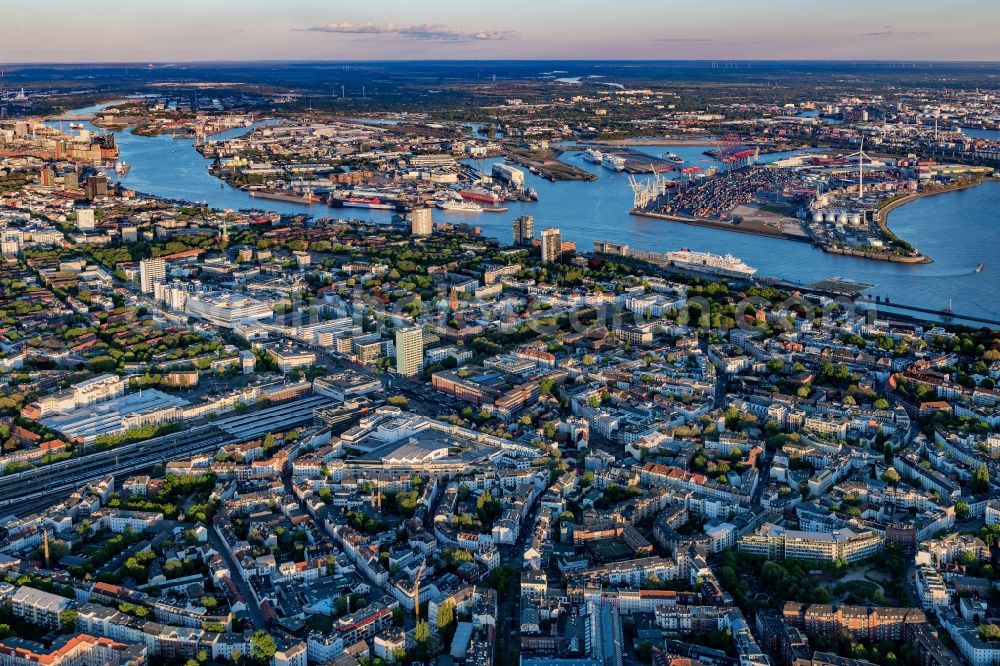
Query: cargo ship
(674, 158)
(460, 207)
(592, 155)
(481, 195)
(289, 197)
(360, 202)
(714, 264)
(613, 162)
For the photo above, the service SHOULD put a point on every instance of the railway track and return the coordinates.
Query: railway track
(31, 490)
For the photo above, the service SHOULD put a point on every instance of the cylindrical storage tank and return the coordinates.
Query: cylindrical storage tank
(830, 216)
(817, 216)
(856, 219)
(842, 218)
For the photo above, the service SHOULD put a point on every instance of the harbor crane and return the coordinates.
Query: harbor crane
(734, 154)
(647, 191)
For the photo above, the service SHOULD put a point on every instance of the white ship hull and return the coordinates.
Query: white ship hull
(714, 264)
(460, 207)
(613, 163)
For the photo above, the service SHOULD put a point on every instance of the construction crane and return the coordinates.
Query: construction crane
(416, 590)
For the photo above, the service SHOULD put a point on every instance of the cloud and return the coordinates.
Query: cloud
(682, 39)
(436, 32)
(887, 31)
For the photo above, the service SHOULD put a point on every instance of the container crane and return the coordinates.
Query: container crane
(647, 191)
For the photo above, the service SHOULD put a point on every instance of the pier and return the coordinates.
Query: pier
(636, 161)
(69, 117)
(833, 287)
(944, 313)
(547, 164)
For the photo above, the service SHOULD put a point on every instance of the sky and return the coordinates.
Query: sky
(195, 30)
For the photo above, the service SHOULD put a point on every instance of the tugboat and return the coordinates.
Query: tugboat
(673, 157)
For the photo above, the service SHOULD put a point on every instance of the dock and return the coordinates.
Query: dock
(547, 165)
(944, 313)
(840, 286)
(636, 161)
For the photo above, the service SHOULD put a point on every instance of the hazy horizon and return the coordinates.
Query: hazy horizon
(68, 32)
(242, 61)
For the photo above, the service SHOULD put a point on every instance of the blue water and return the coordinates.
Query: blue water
(981, 133)
(958, 229)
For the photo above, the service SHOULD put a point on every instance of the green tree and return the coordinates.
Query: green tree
(891, 476)
(422, 633)
(398, 401)
(262, 647)
(881, 403)
(67, 621)
(446, 613)
(989, 632)
(961, 509)
(981, 479)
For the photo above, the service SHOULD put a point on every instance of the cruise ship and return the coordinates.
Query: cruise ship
(613, 162)
(460, 206)
(592, 155)
(714, 264)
